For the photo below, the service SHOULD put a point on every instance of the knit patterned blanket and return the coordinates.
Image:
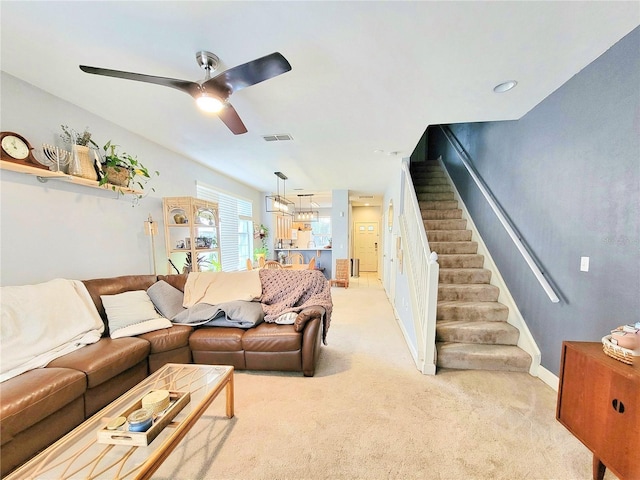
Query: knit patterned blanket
(294, 290)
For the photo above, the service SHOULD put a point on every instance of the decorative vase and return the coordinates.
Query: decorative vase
(81, 164)
(118, 176)
(74, 167)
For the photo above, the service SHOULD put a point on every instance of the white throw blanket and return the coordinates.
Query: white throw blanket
(221, 287)
(42, 322)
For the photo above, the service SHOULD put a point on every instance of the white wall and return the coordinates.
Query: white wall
(340, 215)
(62, 230)
(397, 290)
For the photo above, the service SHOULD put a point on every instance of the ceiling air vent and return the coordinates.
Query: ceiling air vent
(281, 137)
(364, 197)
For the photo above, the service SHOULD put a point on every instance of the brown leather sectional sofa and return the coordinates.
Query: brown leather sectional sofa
(39, 406)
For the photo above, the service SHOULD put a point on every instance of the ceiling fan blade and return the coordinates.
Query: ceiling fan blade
(232, 120)
(191, 88)
(249, 73)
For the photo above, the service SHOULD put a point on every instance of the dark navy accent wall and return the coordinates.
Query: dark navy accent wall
(568, 175)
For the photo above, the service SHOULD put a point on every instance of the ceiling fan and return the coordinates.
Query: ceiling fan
(212, 94)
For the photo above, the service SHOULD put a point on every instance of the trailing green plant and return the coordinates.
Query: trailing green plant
(115, 162)
(262, 233)
(260, 251)
(69, 135)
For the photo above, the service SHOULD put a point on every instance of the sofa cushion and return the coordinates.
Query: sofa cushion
(166, 298)
(105, 359)
(132, 313)
(168, 338)
(217, 339)
(113, 286)
(36, 394)
(270, 337)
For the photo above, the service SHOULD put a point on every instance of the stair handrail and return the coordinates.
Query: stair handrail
(422, 271)
(500, 213)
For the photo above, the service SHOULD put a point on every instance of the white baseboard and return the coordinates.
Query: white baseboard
(549, 378)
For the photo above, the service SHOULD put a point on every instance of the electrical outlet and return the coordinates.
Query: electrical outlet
(584, 264)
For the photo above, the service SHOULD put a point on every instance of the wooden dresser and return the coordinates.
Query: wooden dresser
(599, 402)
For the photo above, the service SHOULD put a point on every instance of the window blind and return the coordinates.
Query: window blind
(232, 210)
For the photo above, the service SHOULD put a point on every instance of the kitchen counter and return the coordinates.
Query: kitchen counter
(320, 249)
(322, 255)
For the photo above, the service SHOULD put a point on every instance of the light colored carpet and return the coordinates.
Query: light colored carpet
(369, 414)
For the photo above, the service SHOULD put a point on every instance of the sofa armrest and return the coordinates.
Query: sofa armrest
(309, 322)
(307, 314)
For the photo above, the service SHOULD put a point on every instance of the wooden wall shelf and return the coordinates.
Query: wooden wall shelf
(44, 175)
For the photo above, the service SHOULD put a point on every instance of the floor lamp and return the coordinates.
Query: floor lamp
(151, 229)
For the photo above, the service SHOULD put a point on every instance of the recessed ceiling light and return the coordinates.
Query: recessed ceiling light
(378, 151)
(505, 86)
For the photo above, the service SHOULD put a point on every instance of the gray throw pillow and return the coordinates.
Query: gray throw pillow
(166, 298)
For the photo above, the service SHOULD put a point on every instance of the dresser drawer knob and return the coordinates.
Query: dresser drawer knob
(618, 406)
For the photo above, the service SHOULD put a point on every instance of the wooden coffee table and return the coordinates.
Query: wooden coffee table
(79, 455)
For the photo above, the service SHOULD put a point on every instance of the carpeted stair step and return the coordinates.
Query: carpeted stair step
(423, 170)
(449, 235)
(425, 164)
(441, 214)
(493, 333)
(445, 248)
(435, 196)
(439, 205)
(471, 356)
(468, 260)
(464, 275)
(475, 292)
(432, 188)
(419, 177)
(430, 180)
(472, 311)
(450, 224)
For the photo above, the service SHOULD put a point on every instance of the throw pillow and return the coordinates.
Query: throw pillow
(132, 313)
(288, 318)
(166, 298)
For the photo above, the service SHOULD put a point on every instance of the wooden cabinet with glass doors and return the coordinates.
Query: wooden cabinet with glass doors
(192, 235)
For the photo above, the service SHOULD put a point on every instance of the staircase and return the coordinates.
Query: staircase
(471, 329)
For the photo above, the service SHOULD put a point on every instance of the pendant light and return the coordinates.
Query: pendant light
(278, 204)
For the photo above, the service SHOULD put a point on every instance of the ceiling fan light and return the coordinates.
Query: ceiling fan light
(208, 103)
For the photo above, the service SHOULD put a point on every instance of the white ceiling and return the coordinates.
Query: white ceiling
(365, 75)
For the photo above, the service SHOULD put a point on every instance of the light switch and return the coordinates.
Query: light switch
(584, 264)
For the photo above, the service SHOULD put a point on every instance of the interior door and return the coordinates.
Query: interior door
(366, 245)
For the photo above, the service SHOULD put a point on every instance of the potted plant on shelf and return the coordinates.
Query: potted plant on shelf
(262, 233)
(80, 164)
(204, 264)
(123, 170)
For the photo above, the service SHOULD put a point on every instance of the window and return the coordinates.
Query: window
(321, 231)
(236, 227)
